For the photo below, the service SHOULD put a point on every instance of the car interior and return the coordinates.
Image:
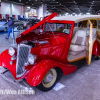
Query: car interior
(80, 41)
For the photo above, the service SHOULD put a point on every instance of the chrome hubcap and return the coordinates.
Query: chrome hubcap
(48, 78)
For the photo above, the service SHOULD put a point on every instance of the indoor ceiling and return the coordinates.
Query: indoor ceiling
(64, 6)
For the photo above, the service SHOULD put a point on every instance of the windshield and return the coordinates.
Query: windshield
(58, 27)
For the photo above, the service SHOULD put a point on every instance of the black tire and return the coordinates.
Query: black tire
(21, 27)
(43, 86)
(18, 27)
(5, 29)
(97, 58)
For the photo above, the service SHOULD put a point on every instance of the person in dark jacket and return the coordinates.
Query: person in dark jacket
(11, 27)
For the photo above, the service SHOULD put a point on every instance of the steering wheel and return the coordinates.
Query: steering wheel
(65, 30)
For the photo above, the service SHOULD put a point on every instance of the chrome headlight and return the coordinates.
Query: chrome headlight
(31, 59)
(11, 51)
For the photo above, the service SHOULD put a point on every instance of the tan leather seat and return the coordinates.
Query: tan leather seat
(78, 41)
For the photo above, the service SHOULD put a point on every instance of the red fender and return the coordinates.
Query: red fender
(95, 48)
(35, 76)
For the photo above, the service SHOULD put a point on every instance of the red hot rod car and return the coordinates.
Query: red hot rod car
(41, 56)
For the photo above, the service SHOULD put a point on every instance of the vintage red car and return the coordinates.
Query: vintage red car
(42, 56)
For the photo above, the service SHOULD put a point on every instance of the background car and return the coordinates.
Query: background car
(31, 22)
(24, 21)
(3, 25)
(18, 24)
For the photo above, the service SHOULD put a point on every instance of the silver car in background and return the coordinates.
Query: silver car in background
(3, 25)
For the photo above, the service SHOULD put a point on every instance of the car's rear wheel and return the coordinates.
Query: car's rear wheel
(97, 57)
(5, 29)
(21, 27)
(49, 80)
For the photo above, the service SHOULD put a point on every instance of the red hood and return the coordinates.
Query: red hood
(26, 33)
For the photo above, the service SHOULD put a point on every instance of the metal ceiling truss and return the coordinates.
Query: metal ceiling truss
(68, 6)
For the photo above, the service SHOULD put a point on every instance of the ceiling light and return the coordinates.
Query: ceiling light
(66, 14)
(28, 7)
(88, 13)
(75, 14)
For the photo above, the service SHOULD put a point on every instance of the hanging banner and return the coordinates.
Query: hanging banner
(0, 16)
(13, 16)
(19, 16)
(7, 15)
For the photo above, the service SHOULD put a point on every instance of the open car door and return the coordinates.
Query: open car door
(89, 42)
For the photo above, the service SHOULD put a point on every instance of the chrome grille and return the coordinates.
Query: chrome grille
(22, 58)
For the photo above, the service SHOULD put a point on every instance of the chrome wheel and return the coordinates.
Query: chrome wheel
(18, 27)
(50, 78)
(21, 27)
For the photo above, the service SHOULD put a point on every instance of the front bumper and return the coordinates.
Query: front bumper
(5, 60)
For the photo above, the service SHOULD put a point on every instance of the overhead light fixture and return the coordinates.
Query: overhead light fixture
(88, 13)
(75, 14)
(66, 13)
(28, 7)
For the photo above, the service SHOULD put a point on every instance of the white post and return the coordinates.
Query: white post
(42, 11)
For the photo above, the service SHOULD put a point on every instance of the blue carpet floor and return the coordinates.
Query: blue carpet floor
(6, 32)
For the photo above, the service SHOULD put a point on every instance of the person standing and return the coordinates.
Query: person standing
(11, 27)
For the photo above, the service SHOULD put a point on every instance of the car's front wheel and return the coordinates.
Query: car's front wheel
(49, 80)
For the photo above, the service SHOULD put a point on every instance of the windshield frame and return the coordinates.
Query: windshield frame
(61, 22)
(56, 25)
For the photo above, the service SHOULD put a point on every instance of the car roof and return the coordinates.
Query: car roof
(76, 18)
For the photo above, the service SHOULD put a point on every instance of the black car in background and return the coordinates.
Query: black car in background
(31, 22)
